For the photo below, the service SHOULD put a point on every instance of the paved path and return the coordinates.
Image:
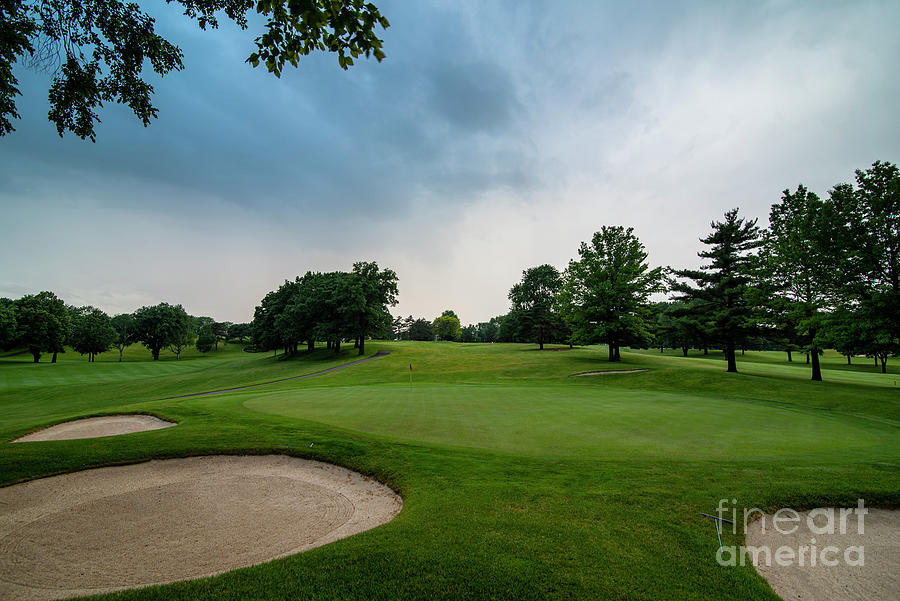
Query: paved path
(377, 355)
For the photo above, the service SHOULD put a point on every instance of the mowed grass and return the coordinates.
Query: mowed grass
(519, 481)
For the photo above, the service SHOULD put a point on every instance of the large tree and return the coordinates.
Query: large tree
(377, 289)
(447, 326)
(126, 332)
(42, 323)
(605, 294)
(534, 298)
(98, 49)
(794, 265)
(720, 286)
(7, 323)
(91, 332)
(159, 326)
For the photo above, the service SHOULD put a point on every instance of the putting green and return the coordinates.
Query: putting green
(578, 421)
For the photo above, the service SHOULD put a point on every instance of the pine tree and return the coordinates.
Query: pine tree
(721, 284)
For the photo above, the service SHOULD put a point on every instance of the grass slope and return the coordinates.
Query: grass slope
(519, 481)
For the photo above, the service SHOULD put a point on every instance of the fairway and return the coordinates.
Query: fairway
(518, 481)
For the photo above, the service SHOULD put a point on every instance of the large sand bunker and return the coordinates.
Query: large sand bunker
(150, 523)
(858, 565)
(97, 427)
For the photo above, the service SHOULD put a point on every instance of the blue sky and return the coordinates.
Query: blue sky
(494, 137)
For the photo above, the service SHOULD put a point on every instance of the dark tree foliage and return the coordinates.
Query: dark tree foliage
(420, 329)
(447, 326)
(794, 267)
(239, 332)
(605, 294)
(7, 323)
(330, 307)
(126, 332)
(161, 325)
(42, 323)
(91, 332)
(534, 300)
(98, 49)
(720, 286)
(205, 339)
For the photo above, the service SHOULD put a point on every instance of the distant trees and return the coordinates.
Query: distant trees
(605, 294)
(42, 323)
(420, 329)
(720, 286)
(330, 307)
(125, 330)
(7, 323)
(160, 326)
(91, 332)
(447, 326)
(534, 299)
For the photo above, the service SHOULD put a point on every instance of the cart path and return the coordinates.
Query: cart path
(377, 355)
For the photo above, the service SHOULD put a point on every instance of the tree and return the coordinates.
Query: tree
(420, 329)
(7, 323)
(183, 332)
(469, 333)
(42, 323)
(533, 299)
(91, 332)
(159, 326)
(720, 286)
(98, 48)
(378, 291)
(446, 327)
(220, 331)
(605, 294)
(239, 331)
(205, 339)
(793, 264)
(126, 332)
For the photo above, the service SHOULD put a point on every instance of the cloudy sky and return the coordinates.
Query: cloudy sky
(496, 136)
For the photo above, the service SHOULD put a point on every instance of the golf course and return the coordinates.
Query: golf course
(518, 481)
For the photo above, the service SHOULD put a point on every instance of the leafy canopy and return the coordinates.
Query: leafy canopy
(97, 49)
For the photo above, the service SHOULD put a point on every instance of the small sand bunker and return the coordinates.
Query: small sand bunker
(97, 427)
(862, 564)
(610, 371)
(129, 526)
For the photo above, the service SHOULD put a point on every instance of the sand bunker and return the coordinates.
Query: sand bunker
(610, 371)
(128, 526)
(97, 427)
(877, 547)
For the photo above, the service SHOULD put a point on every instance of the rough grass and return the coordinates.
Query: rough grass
(519, 481)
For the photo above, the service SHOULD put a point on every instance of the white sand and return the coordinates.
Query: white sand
(97, 427)
(128, 526)
(877, 580)
(611, 371)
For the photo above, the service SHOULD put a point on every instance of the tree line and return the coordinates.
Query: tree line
(825, 273)
(44, 323)
(332, 307)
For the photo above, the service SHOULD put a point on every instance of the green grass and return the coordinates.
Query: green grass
(519, 481)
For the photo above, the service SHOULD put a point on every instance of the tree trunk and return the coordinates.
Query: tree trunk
(155, 353)
(807, 358)
(790, 360)
(310, 345)
(730, 356)
(618, 356)
(876, 360)
(337, 345)
(612, 352)
(884, 363)
(36, 353)
(328, 345)
(120, 353)
(684, 351)
(217, 343)
(705, 350)
(816, 370)
(356, 343)
(362, 345)
(53, 359)
(848, 358)
(742, 351)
